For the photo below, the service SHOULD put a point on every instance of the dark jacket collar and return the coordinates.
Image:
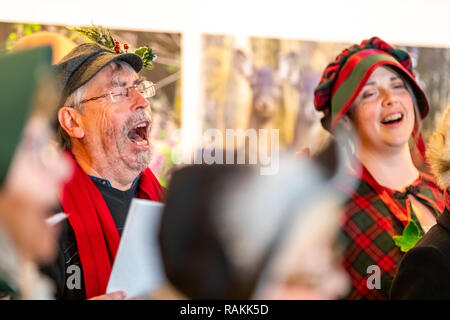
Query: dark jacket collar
(444, 220)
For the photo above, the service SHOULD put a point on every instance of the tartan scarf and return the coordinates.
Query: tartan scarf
(399, 203)
(95, 232)
(373, 214)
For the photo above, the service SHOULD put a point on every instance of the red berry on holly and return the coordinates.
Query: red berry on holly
(125, 46)
(117, 50)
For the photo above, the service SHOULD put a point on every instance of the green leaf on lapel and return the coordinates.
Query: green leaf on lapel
(411, 234)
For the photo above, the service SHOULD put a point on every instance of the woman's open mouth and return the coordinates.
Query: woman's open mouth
(139, 133)
(392, 119)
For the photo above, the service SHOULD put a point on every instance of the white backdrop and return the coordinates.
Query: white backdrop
(407, 22)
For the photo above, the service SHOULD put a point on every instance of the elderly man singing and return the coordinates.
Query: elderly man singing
(104, 123)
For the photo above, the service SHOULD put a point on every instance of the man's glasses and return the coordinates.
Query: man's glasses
(146, 88)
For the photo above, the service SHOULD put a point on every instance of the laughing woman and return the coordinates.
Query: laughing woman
(370, 89)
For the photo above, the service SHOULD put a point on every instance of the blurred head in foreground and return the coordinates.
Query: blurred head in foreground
(32, 170)
(229, 233)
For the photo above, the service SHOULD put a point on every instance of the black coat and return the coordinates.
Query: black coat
(424, 271)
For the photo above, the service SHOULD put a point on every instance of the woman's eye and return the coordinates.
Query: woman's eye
(399, 86)
(366, 95)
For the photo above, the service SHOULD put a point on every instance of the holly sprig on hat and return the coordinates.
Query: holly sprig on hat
(103, 37)
(146, 55)
(96, 34)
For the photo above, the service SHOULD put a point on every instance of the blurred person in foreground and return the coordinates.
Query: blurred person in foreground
(229, 233)
(370, 89)
(423, 271)
(104, 123)
(32, 173)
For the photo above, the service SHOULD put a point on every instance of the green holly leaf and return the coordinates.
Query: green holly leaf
(411, 234)
(147, 56)
(141, 51)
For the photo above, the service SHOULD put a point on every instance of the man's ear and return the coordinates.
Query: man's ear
(69, 119)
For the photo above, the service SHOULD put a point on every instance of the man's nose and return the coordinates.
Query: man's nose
(139, 101)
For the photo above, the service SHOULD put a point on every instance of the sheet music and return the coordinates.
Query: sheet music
(138, 268)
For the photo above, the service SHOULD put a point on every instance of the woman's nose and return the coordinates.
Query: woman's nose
(388, 97)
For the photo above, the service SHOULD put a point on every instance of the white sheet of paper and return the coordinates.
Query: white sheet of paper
(138, 269)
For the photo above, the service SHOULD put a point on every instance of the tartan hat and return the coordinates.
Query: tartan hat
(19, 75)
(343, 79)
(82, 63)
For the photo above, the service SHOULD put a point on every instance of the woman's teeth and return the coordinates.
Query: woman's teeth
(392, 117)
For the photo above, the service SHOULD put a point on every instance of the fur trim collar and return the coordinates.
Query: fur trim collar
(438, 152)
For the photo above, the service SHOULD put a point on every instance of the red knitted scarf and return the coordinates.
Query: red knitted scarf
(96, 234)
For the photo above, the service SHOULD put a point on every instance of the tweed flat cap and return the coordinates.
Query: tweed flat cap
(82, 63)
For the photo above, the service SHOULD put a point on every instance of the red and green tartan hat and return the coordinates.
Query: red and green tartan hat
(344, 78)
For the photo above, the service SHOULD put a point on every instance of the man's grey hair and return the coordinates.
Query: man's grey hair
(74, 100)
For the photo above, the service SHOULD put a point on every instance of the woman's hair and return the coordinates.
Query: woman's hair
(418, 123)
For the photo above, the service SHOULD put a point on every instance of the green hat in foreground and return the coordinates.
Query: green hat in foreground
(19, 74)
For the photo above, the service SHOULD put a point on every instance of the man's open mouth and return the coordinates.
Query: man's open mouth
(392, 118)
(139, 133)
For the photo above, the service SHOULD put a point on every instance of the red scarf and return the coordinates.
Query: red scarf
(95, 232)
